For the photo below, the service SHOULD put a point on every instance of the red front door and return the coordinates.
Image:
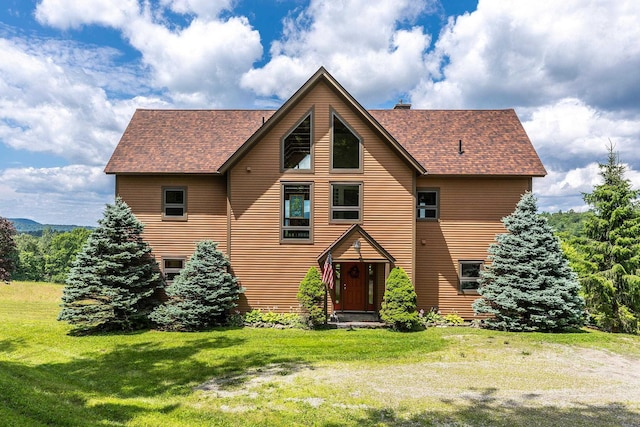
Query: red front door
(352, 277)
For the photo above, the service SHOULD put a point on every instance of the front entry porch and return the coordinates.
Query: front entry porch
(360, 267)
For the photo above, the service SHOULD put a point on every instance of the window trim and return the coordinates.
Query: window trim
(360, 168)
(467, 279)
(360, 207)
(435, 207)
(166, 205)
(166, 270)
(282, 227)
(311, 144)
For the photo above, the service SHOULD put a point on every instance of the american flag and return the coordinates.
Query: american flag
(327, 272)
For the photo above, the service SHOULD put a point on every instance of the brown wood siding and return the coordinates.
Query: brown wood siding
(206, 211)
(270, 270)
(471, 210)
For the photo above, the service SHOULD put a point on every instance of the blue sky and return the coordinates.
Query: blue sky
(73, 71)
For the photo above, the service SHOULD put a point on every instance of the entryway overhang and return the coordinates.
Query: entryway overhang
(344, 248)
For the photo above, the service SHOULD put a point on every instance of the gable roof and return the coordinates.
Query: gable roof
(493, 141)
(211, 141)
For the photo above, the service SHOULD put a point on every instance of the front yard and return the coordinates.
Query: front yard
(259, 377)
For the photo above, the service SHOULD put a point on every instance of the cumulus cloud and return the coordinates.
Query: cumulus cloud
(539, 51)
(375, 52)
(199, 64)
(81, 190)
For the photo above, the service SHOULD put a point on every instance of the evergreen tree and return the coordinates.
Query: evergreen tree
(202, 295)
(529, 285)
(612, 289)
(311, 295)
(399, 302)
(114, 282)
(8, 253)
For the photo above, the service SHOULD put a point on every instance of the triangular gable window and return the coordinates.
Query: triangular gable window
(346, 150)
(296, 146)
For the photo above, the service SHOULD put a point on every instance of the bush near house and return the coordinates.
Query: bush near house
(311, 296)
(399, 302)
(202, 295)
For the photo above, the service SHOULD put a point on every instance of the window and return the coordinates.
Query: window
(346, 202)
(427, 207)
(171, 268)
(296, 146)
(469, 275)
(296, 212)
(346, 150)
(174, 203)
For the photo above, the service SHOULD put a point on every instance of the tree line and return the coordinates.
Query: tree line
(44, 258)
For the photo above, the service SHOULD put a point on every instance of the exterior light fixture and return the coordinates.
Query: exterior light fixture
(356, 246)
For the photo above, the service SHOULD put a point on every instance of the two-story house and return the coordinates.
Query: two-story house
(279, 190)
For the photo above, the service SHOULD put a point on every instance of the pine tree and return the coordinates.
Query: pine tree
(202, 295)
(114, 282)
(8, 251)
(399, 302)
(529, 285)
(612, 290)
(311, 294)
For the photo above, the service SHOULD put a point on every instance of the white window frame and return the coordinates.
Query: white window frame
(182, 205)
(333, 208)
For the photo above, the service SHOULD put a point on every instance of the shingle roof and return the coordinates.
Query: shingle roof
(183, 141)
(493, 141)
(200, 141)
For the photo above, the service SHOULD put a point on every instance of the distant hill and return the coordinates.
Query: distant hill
(30, 226)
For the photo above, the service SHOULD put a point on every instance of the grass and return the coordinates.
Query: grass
(257, 377)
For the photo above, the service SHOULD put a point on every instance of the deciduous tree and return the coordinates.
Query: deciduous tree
(8, 252)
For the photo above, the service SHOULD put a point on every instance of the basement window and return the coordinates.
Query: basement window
(470, 276)
(171, 268)
(296, 146)
(174, 203)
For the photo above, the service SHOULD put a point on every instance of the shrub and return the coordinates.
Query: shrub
(453, 319)
(202, 295)
(399, 302)
(257, 318)
(311, 296)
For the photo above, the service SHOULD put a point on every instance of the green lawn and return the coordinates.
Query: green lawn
(265, 377)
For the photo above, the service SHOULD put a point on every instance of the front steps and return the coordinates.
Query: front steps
(351, 320)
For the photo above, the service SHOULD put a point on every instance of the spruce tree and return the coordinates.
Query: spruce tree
(202, 294)
(529, 285)
(612, 289)
(8, 251)
(114, 282)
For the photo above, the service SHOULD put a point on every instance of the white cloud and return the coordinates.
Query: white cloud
(73, 194)
(364, 47)
(569, 133)
(199, 64)
(535, 53)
